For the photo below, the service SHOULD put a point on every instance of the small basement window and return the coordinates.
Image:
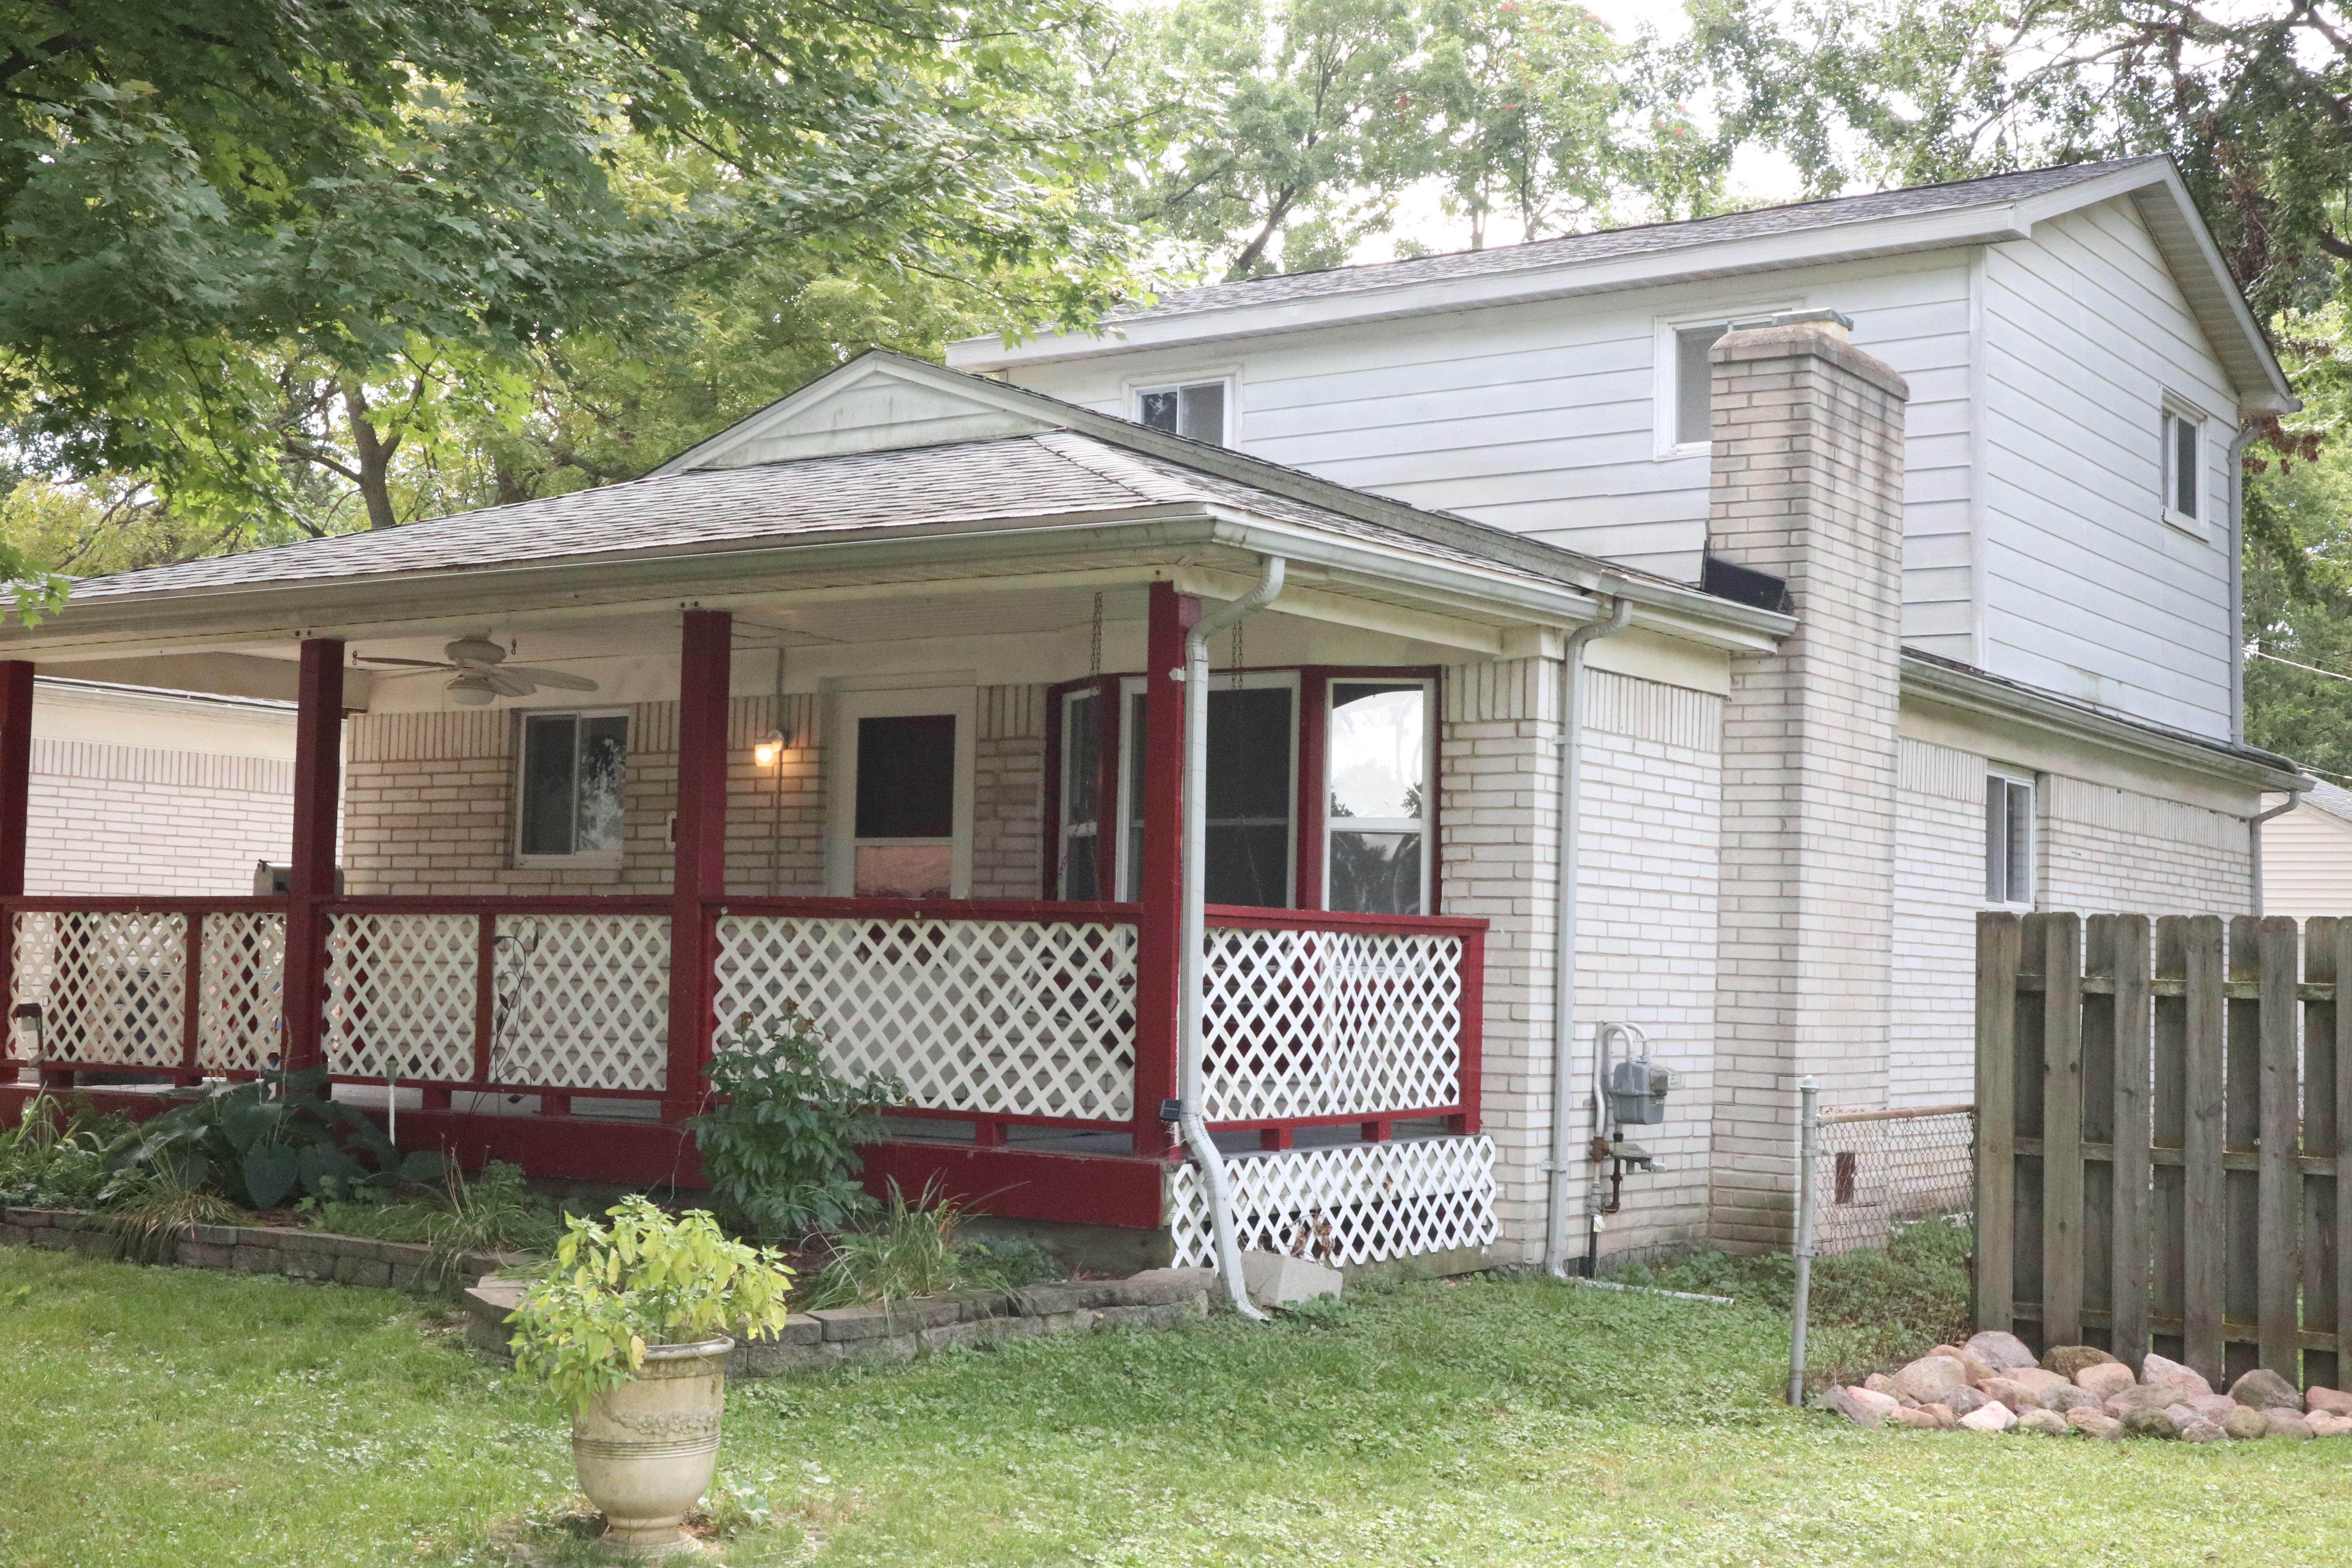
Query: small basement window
(573, 769)
(1196, 411)
(2009, 841)
(2183, 465)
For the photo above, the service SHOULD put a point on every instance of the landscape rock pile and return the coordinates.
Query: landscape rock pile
(1993, 1384)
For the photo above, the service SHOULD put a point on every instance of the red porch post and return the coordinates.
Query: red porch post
(317, 791)
(16, 789)
(1157, 947)
(699, 872)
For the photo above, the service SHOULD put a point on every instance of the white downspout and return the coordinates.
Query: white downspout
(1193, 931)
(1563, 990)
(2255, 846)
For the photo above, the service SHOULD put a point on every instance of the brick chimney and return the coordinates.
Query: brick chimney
(1807, 486)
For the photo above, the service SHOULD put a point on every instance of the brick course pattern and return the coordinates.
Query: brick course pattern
(1807, 485)
(129, 821)
(1645, 927)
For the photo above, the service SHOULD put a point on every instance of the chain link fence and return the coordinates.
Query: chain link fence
(1873, 1168)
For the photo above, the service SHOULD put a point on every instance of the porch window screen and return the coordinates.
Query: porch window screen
(1376, 768)
(1083, 842)
(906, 807)
(1250, 848)
(574, 767)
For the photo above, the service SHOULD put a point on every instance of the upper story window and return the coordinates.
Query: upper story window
(1196, 410)
(573, 769)
(2184, 467)
(1694, 402)
(2008, 840)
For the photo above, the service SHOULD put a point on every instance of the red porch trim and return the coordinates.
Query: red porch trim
(318, 790)
(698, 874)
(1025, 1184)
(15, 792)
(1158, 978)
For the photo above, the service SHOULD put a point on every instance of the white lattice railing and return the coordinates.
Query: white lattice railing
(1306, 1024)
(1354, 1203)
(240, 990)
(111, 986)
(583, 1000)
(1023, 1017)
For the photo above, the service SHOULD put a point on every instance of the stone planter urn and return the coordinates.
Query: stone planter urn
(645, 1452)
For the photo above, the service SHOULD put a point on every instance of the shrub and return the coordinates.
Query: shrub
(1006, 1263)
(644, 1278)
(263, 1142)
(781, 1150)
(911, 1248)
(54, 1160)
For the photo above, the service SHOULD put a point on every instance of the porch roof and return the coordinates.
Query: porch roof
(895, 476)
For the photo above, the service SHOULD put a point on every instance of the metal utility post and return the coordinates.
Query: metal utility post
(1808, 1093)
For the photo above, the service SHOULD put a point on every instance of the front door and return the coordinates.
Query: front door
(900, 801)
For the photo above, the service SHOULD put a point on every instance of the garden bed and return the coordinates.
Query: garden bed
(264, 1249)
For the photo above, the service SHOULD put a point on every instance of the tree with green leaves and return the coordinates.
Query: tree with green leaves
(2254, 100)
(244, 239)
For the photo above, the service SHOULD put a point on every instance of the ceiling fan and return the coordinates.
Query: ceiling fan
(482, 672)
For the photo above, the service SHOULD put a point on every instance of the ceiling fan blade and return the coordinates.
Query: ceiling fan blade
(563, 681)
(505, 682)
(386, 659)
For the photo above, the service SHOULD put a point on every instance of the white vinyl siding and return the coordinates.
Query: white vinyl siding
(2089, 593)
(1542, 418)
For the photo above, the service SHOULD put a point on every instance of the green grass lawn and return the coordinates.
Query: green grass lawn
(173, 1418)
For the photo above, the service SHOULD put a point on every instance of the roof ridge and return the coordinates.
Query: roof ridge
(1121, 466)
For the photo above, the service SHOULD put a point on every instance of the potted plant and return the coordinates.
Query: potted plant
(630, 1328)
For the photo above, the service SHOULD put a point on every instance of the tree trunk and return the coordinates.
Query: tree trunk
(375, 455)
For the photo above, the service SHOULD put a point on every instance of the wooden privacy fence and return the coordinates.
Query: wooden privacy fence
(2164, 1105)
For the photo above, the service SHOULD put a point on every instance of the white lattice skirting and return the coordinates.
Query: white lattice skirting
(1356, 1203)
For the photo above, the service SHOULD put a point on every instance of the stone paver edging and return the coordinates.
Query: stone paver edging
(842, 1336)
(261, 1249)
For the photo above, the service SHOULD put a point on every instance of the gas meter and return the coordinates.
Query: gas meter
(1638, 1089)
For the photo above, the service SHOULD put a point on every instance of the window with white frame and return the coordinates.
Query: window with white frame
(572, 768)
(2008, 840)
(2184, 437)
(1196, 409)
(1694, 382)
(1376, 753)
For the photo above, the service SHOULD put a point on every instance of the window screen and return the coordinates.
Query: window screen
(1376, 780)
(1083, 841)
(1694, 383)
(1247, 847)
(2008, 840)
(574, 767)
(2180, 463)
(1197, 411)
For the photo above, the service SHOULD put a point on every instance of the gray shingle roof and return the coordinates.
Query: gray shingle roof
(2328, 797)
(1609, 244)
(1049, 473)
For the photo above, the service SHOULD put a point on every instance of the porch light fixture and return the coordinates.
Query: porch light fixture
(767, 748)
(473, 691)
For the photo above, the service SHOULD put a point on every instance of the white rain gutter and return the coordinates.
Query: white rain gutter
(1563, 990)
(1193, 931)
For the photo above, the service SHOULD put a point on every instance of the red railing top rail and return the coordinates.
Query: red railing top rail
(1243, 917)
(159, 904)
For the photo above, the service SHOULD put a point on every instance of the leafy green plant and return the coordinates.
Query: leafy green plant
(910, 1248)
(263, 1142)
(55, 1157)
(152, 1212)
(1006, 1263)
(495, 1211)
(779, 1142)
(642, 1278)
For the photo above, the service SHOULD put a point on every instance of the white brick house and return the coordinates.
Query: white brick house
(874, 703)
